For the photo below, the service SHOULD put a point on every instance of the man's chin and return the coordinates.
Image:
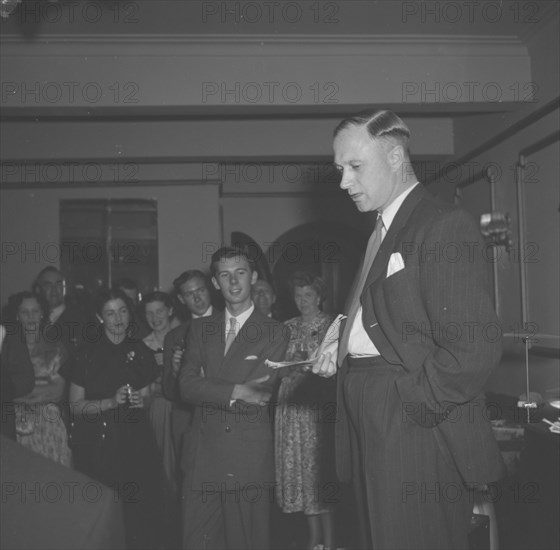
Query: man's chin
(362, 206)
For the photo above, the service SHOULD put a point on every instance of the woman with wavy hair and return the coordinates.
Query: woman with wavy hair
(111, 436)
(39, 423)
(303, 420)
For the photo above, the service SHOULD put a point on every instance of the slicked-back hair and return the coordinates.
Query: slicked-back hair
(227, 252)
(47, 269)
(384, 125)
(187, 276)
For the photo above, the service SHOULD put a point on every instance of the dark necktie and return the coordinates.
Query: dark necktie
(230, 337)
(373, 246)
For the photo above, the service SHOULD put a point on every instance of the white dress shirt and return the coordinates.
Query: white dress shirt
(360, 344)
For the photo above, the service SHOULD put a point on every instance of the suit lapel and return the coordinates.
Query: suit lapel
(242, 341)
(213, 334)
(398, 224)
(243, 344)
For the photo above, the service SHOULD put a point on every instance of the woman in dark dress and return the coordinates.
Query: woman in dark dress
(111, 436)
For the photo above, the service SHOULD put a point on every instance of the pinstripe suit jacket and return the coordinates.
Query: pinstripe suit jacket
(435, 318)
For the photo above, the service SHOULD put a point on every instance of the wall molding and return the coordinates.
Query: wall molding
(496, 140)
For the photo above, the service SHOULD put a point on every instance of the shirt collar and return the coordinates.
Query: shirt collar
(388, 215)
(241, 318)
(207, 313)
(56, 312)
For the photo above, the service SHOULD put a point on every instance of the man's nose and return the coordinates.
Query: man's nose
(345, 180)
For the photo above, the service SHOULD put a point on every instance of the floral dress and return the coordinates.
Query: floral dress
(40, 427)
(303, 425)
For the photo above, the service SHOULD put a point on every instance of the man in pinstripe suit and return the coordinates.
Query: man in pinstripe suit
(419, 343)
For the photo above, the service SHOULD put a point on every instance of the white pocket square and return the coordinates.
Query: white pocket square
(396, 263)
(249, 357)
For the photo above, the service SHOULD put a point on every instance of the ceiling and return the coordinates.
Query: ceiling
(505, 18)
(371, 47)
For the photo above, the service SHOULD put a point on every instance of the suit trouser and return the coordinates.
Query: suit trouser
(409, 493)
(232, 520)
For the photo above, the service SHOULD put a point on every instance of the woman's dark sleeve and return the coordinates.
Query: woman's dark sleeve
(17, 366)
(148, 370)
(75, 367)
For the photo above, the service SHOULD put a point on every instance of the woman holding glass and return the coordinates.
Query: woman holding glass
(111, 436)
(303, 432)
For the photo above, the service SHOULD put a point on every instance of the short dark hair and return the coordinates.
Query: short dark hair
(227, 252)
(157, 296)
(46, 270)
(307, 278)
(50, 268)
(106, 295)
(380, 124)
(187, 276)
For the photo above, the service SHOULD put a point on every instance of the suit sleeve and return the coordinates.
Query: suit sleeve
(170, 386)
(463, 331)
(199, 390)
(194, 388)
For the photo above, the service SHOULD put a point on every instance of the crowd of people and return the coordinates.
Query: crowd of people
(216, 417)
(103, 395)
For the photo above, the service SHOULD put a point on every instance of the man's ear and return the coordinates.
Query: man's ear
(181, 299)
(397, 157)
(254, 277)
(99, 318)
(215, 283)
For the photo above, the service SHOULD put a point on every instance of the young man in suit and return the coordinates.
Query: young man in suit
(192, 288)
(419, 343)
(193, 291)
(229, 480)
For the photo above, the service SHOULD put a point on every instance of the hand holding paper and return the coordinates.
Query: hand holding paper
(324, 358)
